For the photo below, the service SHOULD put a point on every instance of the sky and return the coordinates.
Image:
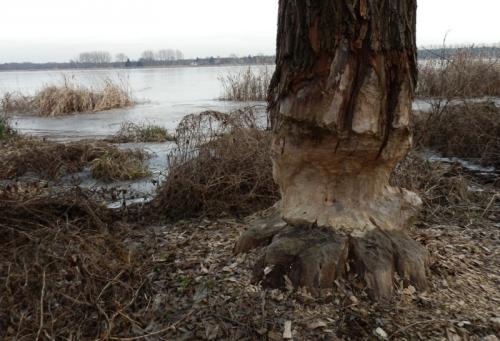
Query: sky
(57, 30)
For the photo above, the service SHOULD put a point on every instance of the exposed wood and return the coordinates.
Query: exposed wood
(340, 102)
(340, 105)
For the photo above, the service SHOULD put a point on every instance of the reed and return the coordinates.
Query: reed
(131, 132)
(69, 98)
(247, 85)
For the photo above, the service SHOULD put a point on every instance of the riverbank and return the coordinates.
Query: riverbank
(72, 268)
(98, 262)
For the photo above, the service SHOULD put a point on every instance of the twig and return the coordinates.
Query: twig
(41, 306)
(108, 284)
(400, 330)
(495, 196)
(173, 325)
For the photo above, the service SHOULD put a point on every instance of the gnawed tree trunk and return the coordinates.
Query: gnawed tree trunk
(340, 104)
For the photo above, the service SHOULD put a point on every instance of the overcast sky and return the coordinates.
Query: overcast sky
(57, 30)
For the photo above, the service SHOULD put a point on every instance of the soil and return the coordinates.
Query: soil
(208, 293)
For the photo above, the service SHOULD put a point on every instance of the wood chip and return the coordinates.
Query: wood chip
(287, 333)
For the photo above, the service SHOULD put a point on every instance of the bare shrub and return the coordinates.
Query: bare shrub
(66, 271)
(51, 160)
(447, 190)
(221, 166)
(248, 85)
(469, 130)
(461, 75)
(69, 98)
(131, 132)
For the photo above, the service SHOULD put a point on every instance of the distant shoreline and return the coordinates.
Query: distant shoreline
(140, 64)
(423, 54)
(132, 68)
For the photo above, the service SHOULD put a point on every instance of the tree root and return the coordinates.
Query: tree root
(314, 257)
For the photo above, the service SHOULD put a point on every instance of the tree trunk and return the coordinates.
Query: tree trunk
(340, 105)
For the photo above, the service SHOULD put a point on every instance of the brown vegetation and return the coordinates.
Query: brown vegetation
(221, 166)
(462, 75)
(67, 99)
(51, 160)
(131, 132)
(115, 164)
(469, 131)
(66, 272)
(6, 129)
(248, 85)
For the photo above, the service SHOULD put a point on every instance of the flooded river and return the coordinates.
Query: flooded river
(164, 96)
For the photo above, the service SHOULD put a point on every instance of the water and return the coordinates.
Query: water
(165, 96)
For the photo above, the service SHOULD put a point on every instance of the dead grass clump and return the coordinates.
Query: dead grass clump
(131, 132)
(462, 75)
(470, 131)
(248, 85)
(447, 190)
(12, 102)
(68, 99)
(52, 160)
(222, 166)
(115, 164)
(66, 273)
(6, 129)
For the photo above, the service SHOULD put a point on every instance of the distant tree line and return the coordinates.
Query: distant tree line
(94, 57)
(171, 57)
(149, 58)
(478, 51)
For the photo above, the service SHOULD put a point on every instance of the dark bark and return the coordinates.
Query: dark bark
(340, 106)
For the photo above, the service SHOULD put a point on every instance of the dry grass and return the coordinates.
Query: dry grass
(6, 129)
(221, 166)
(115, 164)
(65, 271)
(13, 102)
(50, 160)
(446, 188)
(463, 75)
(469, 131)
(248, 85)
(68, 99)
(131, 132)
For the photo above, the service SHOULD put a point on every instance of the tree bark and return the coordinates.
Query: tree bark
(340, 106)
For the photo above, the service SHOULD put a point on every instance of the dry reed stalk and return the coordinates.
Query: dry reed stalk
(248, 85)
(69, 98)
(6, 129)
(131, 132)
(462, 75)
(469, 131)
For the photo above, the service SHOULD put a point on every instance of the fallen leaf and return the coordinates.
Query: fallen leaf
(316, 324)
(380, 333)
